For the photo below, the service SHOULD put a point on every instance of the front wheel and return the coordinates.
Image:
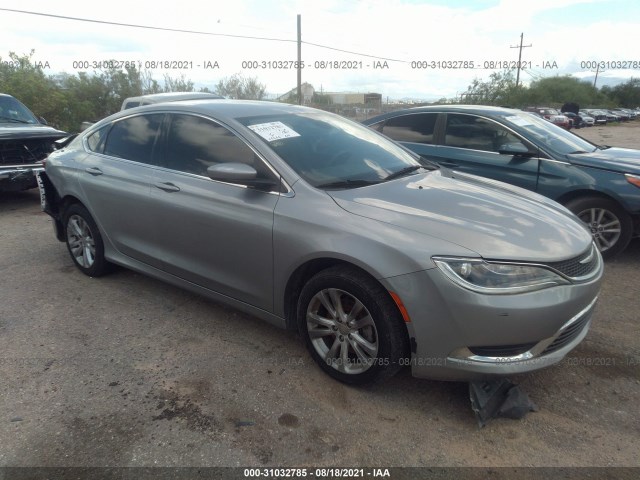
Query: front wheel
(84, 241)
(610, 226)
(351, 326)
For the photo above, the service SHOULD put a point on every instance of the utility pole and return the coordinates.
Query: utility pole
(299, 61)
(597, 71)
(520, 57)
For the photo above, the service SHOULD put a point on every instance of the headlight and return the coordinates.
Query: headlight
(497, 278)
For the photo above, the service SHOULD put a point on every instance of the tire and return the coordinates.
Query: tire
(354, 348)
(84, 241)
(610, 226)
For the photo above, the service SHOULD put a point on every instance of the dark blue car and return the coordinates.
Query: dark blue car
(600, 184)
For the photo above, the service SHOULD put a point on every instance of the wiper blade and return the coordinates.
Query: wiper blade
(348, 184)
(403, 172)
(17, 120)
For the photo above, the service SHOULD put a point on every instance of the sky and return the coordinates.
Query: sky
(402, 49)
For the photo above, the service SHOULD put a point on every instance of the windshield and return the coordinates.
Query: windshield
(547, 135)
(329, 151)
(11, 110)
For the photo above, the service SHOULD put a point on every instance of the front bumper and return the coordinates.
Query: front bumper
(18, 177)
(463, 335)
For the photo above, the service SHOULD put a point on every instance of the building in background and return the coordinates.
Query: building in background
(354, 105)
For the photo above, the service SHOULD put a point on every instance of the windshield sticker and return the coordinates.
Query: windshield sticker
(273, 131)
(517, 120)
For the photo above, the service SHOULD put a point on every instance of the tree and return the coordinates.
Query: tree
(240, 87)
(179, 84)
(66, 101)
(625, 94)
(498, 90)
(20, 77)
(561, 89)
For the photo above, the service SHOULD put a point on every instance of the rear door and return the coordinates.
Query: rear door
(116, 179)
(214, 234)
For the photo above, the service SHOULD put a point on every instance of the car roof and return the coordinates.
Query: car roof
(220, 109)
(168, 97)
(477, 109)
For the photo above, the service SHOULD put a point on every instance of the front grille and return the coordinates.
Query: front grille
(502, 350)
(569, 334)
(15, 152)
(573, 268)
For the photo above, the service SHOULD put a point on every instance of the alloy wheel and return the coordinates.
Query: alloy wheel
(81, 243)
(605, 227)
(342, 331)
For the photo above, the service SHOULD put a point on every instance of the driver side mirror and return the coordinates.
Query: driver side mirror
(42, 121)
(240, 173)
(517, 149)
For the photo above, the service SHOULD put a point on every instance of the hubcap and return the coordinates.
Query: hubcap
(342, 331)
(81, 241)
(604, 226)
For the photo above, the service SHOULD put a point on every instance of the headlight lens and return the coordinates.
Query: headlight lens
(497, 278)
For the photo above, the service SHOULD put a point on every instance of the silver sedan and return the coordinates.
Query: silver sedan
(317, 224)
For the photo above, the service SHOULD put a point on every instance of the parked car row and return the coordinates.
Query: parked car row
(553, 115)
(586, 117)
(604, 116)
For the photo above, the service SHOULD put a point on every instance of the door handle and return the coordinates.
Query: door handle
(93, 171)
(168, 187)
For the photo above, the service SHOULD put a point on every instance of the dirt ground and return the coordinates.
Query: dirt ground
(624, 134)
(128, 371)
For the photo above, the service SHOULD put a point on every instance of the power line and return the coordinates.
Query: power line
(536, 76)
(148, 27)
(195, 32)
(355, 53)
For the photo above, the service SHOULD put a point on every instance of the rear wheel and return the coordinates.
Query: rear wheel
(351, 327)
(610, 226)
(84, 241)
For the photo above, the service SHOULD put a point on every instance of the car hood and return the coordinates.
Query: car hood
(495, 220)
(623, 160)
(12, 131)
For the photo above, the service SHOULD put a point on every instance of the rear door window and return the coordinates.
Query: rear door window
(134, 138)
(415, 128)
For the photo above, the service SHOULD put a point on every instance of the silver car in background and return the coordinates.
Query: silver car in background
(318, 224)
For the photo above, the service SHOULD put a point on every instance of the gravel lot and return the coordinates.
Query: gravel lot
(128, 371)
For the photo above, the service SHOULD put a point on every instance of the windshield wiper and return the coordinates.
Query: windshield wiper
(348, 184)
(403, 172)
(17, 120)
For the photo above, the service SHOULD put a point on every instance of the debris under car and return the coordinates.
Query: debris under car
(25, 141)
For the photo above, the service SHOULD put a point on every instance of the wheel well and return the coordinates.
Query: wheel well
(57, 212)
(567, 197)
(300, 277)
(67, 201)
